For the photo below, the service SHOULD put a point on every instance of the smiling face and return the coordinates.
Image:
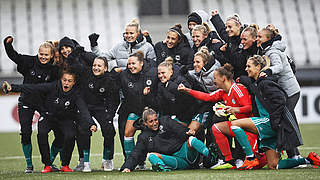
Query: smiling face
(246, 39)
(67, 81)
(44, 55)
(134, 65)
(164, 73)
(252, 69)
(65, 51)
(232, 28)
(198, 37)
(99, 67)
(172, 39)
(131, 34)
(261, 37)
(198, 63)
(152, 122)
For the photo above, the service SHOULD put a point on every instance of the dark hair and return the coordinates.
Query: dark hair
(139, 54)
(147, 112)
(226, 70)
(177, 29)
(104, 59)
(69, 71)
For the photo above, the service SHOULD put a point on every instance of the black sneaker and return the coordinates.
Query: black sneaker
(161, 168)
(214, 155)
(54, 168)
(29, 170)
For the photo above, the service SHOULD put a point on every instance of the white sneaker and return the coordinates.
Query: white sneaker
(141, 166)
(107, 165)
(86, 167)
(238, 163)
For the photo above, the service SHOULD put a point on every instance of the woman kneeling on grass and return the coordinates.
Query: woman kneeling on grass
(270, 124)
(167, 144)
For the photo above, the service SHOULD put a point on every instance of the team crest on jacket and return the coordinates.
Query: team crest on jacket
(150, 139)
(32, 72)
(101, 90)
(130, 85)
(91, 85)
(149, 82)
(67, 103)
(163, 54)
(177, 58)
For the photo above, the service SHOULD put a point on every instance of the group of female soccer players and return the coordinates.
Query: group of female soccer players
(170, 92)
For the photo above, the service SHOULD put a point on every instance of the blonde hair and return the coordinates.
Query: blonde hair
(263, 61)
(48, 45)
(147, 112)
(167, 63)
(134, 23)
(252, 29)
(204, 28)
(235, 17)
(204, 54)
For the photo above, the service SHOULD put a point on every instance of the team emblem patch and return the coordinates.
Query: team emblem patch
(150, 139)
(67, 103)
(233, 101)
(56, 101)
(149, 82)
(130, 85)
(177, 58)
(163, 54)
(91, 85)
(101, 90)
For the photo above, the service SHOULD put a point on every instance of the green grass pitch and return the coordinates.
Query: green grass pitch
(12, 163)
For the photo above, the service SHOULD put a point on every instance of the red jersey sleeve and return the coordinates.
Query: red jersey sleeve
(212, 97)
(244, 100)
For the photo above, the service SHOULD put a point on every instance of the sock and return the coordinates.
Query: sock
(54, 152)
(290, 163)
(128, 145)
(86, 155)
(106, 153)
(27, 150)
(243, 140)
(222, 142)
(199, 146)
(154, 159)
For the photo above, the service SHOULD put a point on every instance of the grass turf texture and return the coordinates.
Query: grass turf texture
(12, 163)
